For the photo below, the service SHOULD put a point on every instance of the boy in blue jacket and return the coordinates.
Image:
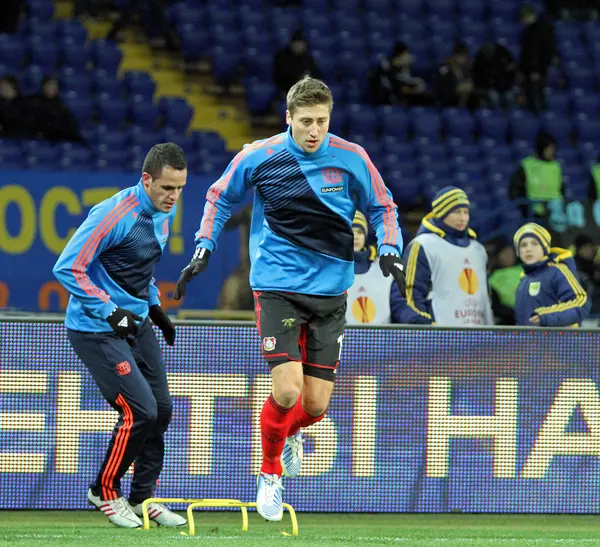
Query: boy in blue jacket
(549, 294)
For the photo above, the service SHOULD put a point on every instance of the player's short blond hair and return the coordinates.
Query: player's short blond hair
(308, 92)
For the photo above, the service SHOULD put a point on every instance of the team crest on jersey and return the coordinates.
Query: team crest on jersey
(123, 368)
(333, 175)
(534, 288)
(269, 343)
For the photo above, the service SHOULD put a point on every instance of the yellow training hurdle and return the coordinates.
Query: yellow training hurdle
(225, 503)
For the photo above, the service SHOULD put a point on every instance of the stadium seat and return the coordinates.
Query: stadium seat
(492, 124)
(111, 112)
(523, 125)
(40, 9)
(12, 52)
(106, 55)
(143, 113)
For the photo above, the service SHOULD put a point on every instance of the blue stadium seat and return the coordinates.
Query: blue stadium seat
(474, 10)
(44, 31)
(176, 111)
(73, 55)
(111, 112)
(492, 123)
(75, 157)
(11, 154)
(393, 121)
(72, 32)
(442, 8)
(12, 52)
(458, 123)
(105, 55)
(71, 80)
(587, 128)
(426, 123)
(557, 101)
(208, 142)
(139, 83)
(109, 160)
(40, 9)
(143, 113)
(40, 154)
(559, 127)
(104, 82)
(194, 44)
(142, 139)
(30, 80)
(111, 140)
(186, 142)
(588, 151)
(523, 125)
(260, 96)
(43, 55)
(585, 102)
(361, 119)
(81, 108)
(224, 65)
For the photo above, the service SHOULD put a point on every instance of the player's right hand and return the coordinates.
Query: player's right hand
(197, 265)
(123, 322)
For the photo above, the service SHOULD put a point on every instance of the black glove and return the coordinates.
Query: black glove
(198, 264)
(162, 321)
(123, 322)
(391, 264)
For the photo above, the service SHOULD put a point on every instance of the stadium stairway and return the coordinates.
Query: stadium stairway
(209, 114)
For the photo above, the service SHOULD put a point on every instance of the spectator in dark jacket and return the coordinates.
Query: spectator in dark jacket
(47, 116)
(453, 84)
(494, 72)
(538, 51)
(294, 62)
(589, 270)
(392, 81)
(11, 108)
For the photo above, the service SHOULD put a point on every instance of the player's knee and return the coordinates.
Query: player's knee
(314, 405)
(287, 394)
(147, 415)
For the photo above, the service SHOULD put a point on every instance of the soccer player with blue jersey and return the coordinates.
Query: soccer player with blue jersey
(108, 268)
(308, 185)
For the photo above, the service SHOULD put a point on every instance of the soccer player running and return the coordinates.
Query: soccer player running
(108, 268)
(308, 185)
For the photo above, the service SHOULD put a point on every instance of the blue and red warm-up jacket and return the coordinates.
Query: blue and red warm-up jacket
(301, 232)
(110, 260)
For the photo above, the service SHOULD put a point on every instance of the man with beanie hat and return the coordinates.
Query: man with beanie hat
(539, 176)
(372, 299)
(549, 294)
(446, 275)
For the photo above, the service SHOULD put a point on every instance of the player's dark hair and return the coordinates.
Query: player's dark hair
(166, 154)
(308, 92)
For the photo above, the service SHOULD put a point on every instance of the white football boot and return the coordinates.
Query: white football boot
(291, 458)
(161, 515)
(269, 503)
(118, 511)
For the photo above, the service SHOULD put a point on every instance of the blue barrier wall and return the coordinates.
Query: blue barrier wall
(422, 420)
(39, 210)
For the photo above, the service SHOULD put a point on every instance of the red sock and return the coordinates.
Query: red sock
(275, 422)
(300, 418)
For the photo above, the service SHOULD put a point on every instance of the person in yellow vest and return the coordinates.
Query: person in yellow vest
(549, 294)
(446, 267)
(372, 299)
(594, 188)
(503, 283)
(539, 176)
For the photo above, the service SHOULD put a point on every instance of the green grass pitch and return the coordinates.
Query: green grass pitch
(91, 529)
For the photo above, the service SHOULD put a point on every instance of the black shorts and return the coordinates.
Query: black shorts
(301, 327)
